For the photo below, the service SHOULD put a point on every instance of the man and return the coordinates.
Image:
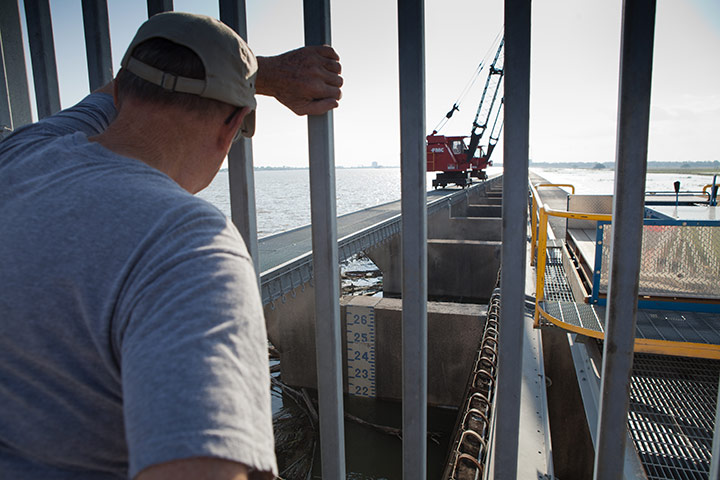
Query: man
(132, 339)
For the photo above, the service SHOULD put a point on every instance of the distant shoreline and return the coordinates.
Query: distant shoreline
(337, 167)
(696, 168)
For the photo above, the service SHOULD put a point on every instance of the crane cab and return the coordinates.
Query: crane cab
(452, 158)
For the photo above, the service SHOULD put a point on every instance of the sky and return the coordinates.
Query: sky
(574, 74)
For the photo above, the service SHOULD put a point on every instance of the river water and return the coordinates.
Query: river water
(283, 196)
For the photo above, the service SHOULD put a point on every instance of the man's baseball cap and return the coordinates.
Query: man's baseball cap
(230, 66)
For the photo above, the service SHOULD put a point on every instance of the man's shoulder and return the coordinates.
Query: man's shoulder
(91, 116)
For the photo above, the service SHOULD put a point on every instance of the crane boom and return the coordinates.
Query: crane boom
(451, 156)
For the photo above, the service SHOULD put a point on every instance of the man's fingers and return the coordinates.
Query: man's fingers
(328, 91)
(334, 80)
(326, 51)
(330, 59)
(332, 66)
(318, 107)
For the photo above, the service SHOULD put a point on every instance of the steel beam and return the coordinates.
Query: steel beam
(638, 28)
(325, 263)
(14, 61)
(97, 42)
(411, 45)
(42, 53)
(240, 159)
(158, 6)
(514, 222)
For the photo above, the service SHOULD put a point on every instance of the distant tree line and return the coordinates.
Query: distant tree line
(710, 165)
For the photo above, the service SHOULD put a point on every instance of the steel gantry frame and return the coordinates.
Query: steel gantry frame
(633, 118)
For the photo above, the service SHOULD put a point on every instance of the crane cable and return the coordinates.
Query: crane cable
(468, 86)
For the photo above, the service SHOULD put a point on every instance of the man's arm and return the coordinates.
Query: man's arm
(197, 469)
(306, 80)
(200, 468)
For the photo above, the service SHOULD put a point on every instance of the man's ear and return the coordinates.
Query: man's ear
(228, 130)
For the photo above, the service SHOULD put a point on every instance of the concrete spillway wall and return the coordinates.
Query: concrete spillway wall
(454, 331)
(464, 243)
(463, 263)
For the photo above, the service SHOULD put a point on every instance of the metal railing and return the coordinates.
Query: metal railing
(637, 47)
(16, 112)
(534, 212)
(540, 214)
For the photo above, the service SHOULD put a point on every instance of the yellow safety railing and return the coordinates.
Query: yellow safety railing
(540, 217)
(536, 203)
(541, 214)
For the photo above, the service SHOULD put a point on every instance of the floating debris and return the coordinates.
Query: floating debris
(360, 276)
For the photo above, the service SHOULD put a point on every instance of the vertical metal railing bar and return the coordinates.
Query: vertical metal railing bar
(6, 123)
(638, 27)
(715, 452)
(240, 159)
(514, 233)
(411, 46)
(326, 275)
(14, 60)
(97, 42)
(158, 6)
(42, 53)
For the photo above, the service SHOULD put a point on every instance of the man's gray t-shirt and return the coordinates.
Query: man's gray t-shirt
(131, 329)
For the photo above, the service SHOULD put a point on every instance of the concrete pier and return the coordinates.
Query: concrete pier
(463, 261)
(464, 270)
(454, 332)
(463, 251)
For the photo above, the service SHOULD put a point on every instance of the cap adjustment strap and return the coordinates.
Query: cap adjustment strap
(168, 81)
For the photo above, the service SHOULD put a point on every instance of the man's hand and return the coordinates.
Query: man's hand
(306, 80)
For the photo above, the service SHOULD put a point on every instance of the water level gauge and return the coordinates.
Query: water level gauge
(360, 350)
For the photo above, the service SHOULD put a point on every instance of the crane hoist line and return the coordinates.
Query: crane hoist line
(457, 161)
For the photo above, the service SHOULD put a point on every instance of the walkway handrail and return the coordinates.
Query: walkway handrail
(572, 187)
(546, 212)
(536, 205)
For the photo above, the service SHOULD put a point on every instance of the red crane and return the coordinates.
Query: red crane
(457, 161)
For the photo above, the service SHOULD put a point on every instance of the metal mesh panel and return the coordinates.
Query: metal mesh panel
(672, 414)
(676, 261)
(588, 204)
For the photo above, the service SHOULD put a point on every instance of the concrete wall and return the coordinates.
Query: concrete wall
(462, 269)
(484, 211)
(463, 253)
(446, 225)
(463, 261)
(454, 333)
(290, 326)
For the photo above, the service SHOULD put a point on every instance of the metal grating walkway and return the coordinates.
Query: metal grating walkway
(686, 333)
(556, 286)
(672, 414)
(663, 325)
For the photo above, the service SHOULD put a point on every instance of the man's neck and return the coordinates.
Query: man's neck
(156, 137)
